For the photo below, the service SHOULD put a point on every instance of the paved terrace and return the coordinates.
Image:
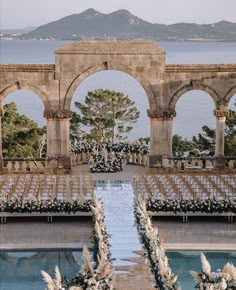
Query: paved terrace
(76, 231)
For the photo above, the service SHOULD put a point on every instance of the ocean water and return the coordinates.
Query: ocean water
(194, 109)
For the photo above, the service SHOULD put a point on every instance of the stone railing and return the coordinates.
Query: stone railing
(80, 158)
(185, 163)
(230, 162)
(206, 163)
(131, 158)
(24, 165)
(178, 163)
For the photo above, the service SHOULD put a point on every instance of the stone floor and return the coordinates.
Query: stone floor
(27, 233)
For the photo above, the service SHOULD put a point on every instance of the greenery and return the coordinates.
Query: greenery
(109, 114)
(21, 137)
(54, 206)
(191, 205)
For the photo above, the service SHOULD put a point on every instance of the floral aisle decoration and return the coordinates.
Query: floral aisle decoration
(106, 162)
(53, 206)
(92, 275)
(149, 237)
(135, 147)
(110, 157)
(220, 280)
(191, 205)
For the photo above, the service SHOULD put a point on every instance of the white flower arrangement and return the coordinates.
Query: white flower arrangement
(86, 147)
(220, 280)
(159, 263)
(191, 205)
(52, 206)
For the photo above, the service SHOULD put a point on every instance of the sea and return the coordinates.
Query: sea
(194, 109)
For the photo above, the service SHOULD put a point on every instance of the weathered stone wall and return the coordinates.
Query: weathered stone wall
(143, 60)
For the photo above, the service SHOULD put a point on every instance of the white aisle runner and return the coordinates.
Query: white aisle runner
(118, 199)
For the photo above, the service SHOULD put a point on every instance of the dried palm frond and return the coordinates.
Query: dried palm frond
(206, 267)
(87, 260)
(230, 270)
(48, 279)
(196, 277)
(57, 277)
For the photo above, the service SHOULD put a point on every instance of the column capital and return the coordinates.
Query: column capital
(221, 113)
(57, 114)
(161, 114)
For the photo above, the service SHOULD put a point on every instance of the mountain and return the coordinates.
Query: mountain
(121, 24)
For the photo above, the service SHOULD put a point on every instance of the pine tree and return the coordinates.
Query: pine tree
(109, 114)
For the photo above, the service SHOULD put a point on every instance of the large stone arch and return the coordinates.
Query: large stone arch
(25, 86)
(102, 67)
(189, 87)
(230, 94)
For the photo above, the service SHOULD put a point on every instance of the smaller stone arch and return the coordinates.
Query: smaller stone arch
(98, 68)
(24, 86)
(230, 94)
(192, 86)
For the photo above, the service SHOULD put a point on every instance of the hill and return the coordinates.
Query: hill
(121, 24)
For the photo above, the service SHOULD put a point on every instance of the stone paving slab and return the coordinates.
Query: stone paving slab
(138, 276)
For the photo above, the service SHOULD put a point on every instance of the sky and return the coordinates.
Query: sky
(27, 13)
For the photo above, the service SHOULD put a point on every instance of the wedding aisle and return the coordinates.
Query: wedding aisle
(130, 269)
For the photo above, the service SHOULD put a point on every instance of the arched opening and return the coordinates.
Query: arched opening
(119, 82)
(194, 110)
(108, 157)
(23, 126)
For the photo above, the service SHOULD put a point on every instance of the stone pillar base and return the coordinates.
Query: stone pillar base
(219, 162)
(159, 161)
(59, 165)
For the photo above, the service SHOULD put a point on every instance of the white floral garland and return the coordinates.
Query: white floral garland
(88, 277)
(159, 263)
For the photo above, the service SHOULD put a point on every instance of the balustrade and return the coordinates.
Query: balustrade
(24, 165)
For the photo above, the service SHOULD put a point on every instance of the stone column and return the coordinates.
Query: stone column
(58, 139)
(161, 127)
(220, 139)
(1, 157)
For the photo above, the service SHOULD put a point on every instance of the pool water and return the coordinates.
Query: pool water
(182, 262)
(22, 270)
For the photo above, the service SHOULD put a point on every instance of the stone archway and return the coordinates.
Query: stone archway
(230, 94)
(143, 60)
(25, 86)
(189, 87)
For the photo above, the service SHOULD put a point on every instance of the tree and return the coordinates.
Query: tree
(181, 147)
(110, 115)
(206, 140)
(21, 136)
(230, 134)
(76, 133)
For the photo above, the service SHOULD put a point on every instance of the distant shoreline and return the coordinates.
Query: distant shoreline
(144, 39)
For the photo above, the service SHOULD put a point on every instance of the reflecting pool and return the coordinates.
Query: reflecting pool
(184, 261)
(22, 270)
